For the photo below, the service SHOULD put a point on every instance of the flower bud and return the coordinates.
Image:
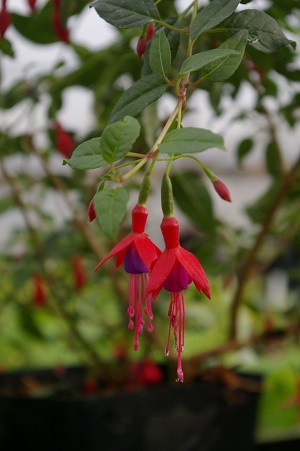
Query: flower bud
(39, 296)
(167, 203)
(222, 189)
(144, 39)
(91, 211)
(78, 273)
(145, 190)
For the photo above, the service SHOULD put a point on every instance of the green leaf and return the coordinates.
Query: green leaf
(6, 47)
(264, 32)
(127, 13)
(110, 206)
(118, 138)
(211, 15)
(87, 156)
(190, 140)
(160, 54)
(138, 96)
(244, 149)
(199, 60)
(217, 72)
(193, 199)
(38, 27)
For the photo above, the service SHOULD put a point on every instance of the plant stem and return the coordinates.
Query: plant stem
(286, 184)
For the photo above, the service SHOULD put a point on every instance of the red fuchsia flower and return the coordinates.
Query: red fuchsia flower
(138, 253)
(39, 296)
(78, 273)
(222, 189)
(63, 141)
(31, 4)
(5, 19)
(144, 39)
(91, 211)
(59, 28)
(174, 270)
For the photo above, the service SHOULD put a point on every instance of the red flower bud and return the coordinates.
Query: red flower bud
(144, 39)
(63, 141)
(5, 19)
(78, 273)
(150, 31)
(39, 297)
(31, 4)
(222, 190)
(91, 211)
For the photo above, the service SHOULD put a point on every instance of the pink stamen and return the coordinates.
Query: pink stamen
(176, 313)
(138, 283)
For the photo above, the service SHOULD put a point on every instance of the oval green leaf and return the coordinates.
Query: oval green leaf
(118, 138)
(138, 96)
(160, 54)
(200, 60)
(126, 13)
(110, 206)
(211, 15)
(264, 32)
(87, 155)
(190, 140)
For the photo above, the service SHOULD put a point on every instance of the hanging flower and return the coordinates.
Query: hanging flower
(59, 27)
(174, 270)
(222, 189)
(138, 253)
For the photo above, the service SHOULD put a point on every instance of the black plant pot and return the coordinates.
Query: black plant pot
(204, 416)
(284, 445)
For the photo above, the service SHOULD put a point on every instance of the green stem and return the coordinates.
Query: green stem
(171, 27)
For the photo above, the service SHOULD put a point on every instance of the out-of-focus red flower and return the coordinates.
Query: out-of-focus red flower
(90, 386)
(31, 4)
(5, 19)
(59, 27)
(63, 141)
(78, 273)
(39, 296)
(91, 211)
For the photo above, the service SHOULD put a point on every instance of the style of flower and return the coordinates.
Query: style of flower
(138, 253)
(174, 270)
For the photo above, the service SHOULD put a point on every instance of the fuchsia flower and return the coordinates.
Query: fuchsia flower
(138, 253)
(174, 270)
(5, 19)
(222, 189)
(144, 39)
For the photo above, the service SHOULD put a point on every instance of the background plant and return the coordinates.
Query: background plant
(241, 258)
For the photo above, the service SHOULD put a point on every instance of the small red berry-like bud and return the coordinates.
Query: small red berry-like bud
(78, 273)
(5, 19)
(63, 141)
(144, 39)
(91, 211)
(31, 4)
(39, 297)
(150, 31)
(141, 46)
(222, 189)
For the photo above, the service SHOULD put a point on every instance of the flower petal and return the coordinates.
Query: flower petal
(195, 270)
(160, 272)
(147, 250)
(119, 247)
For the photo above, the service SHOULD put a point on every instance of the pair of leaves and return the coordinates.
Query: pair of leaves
(264, 32)
(117, 139)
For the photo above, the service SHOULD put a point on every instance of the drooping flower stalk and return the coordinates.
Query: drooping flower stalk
(138, 253)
